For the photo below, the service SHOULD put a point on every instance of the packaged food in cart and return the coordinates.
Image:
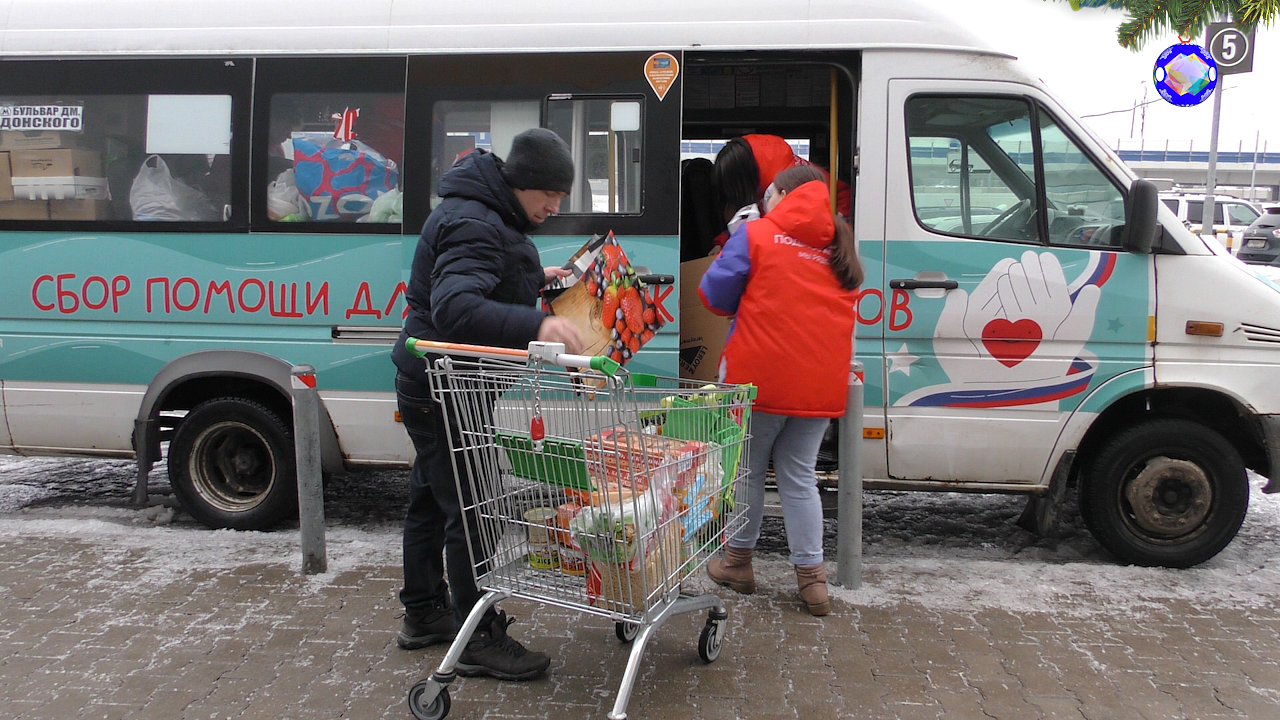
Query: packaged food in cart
(651, 467)
(632, 586)
(625, 456)
(616, 530)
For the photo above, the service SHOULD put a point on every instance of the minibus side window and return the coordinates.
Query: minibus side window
(1085, 207)
(335, 157)
(160, 158)
(604, 135)
(463, 126)
(963, 181)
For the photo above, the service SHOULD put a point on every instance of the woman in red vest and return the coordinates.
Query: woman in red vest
(790, 279)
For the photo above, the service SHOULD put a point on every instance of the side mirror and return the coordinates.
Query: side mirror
(1140, 214)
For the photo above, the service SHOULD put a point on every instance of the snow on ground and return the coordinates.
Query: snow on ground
(949, 551)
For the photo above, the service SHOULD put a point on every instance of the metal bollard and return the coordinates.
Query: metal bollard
(849, 498)
(306, 450)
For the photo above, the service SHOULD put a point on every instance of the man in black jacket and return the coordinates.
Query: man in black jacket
(475, 279)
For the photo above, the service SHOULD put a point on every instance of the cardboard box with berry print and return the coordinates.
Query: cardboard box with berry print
(616, 313)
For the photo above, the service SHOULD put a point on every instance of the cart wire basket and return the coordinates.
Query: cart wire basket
(587, 487)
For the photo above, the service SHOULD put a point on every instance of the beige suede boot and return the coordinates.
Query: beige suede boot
(733, 570)
(812, 582)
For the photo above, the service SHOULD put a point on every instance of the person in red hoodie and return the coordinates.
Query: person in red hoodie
(745, 168)
(790, 279)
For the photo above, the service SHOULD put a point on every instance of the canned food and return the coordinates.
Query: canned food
(544, 556)
(540, 521)
(572, 561)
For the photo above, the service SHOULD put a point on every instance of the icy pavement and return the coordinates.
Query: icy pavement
(113, 611)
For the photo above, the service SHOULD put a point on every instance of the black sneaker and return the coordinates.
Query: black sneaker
(432, 628)
(493, 652)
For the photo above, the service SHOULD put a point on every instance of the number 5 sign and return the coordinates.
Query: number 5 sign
(1230, 48)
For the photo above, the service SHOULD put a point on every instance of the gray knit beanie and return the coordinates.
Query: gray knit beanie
(539, 160)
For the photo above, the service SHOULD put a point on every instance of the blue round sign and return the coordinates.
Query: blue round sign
(1185, 74)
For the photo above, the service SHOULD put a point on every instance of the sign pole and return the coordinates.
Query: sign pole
(1206, 224)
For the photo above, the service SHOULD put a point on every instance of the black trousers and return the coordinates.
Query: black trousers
(433, 527)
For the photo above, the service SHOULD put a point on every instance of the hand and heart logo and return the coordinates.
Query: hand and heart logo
(1011, 342)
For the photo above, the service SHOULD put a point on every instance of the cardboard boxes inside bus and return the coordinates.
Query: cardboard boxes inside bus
(40, 139)
(69, 181)
(11, 209)
(702, 332)
(6, 178)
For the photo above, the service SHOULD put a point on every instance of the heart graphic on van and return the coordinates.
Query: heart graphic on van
(1011, 342)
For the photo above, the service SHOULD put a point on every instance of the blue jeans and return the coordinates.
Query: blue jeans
(433, 528)
(793, 444)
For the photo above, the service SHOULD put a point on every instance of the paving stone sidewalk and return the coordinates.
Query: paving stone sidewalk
(92, 632)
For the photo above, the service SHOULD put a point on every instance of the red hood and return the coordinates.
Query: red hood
(805, 214)
(772, 154)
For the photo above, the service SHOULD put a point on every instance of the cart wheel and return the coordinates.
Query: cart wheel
(710, 639)
(626, 632)
(437, 710)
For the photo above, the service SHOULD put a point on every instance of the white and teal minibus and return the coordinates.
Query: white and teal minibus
(197, 196)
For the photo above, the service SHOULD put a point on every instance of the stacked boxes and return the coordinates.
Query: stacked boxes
(12, 209)
(40, 182)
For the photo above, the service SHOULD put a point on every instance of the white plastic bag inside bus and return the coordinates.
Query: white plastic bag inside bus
(157, 196)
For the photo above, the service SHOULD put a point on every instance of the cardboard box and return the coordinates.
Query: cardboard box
(70, 187)
(56, 163)
(79, 210)
(6, 178)
(702, 332)
(24, 210)
(600, 268)
(40, 139)
(636, 587)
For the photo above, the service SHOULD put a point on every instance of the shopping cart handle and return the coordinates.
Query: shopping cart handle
(551, 353)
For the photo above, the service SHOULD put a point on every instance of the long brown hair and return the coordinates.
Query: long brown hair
(844, 251)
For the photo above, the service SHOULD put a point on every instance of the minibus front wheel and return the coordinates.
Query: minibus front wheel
(231, 464)
(1169, 493)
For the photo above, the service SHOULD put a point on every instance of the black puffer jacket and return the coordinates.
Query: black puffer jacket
(475, 275)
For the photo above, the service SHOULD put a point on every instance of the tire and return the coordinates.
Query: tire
(1169, 493)
(711, 639)
(231, 464)
(437, 710)
(626, 632)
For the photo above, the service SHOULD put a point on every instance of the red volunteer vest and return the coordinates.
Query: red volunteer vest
(793, 336)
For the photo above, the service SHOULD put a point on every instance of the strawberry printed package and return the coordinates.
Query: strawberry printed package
(615, 312)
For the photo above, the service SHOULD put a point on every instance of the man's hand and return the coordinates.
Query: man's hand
(561, 330)
(551, 274)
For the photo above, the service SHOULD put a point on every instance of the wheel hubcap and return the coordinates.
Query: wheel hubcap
(231, 466)
(1170, 498)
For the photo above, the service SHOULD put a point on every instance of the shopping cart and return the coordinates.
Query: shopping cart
(587, 487)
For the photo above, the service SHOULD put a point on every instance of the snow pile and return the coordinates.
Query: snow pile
(948, 551)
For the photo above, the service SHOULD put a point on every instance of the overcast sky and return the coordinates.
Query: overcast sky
(1077, 56)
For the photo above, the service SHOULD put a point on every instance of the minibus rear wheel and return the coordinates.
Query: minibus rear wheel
(231, 465)
(1169, 493)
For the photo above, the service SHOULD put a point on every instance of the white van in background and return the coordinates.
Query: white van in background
(1231, 216)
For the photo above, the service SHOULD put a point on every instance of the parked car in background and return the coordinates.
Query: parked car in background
(1262, 239)
(1231, 216)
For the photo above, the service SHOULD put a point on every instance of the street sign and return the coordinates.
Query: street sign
(1230, 48)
